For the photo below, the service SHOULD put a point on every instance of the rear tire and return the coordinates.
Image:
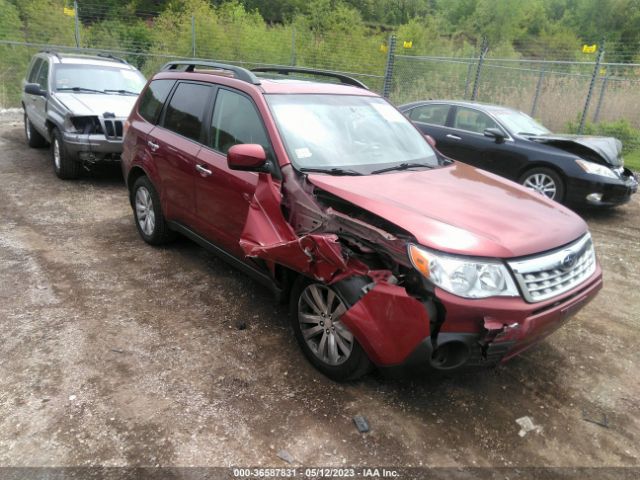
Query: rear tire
(544, 181)
(315, 310)
(34, 139)
(147, 212)
(64, 166)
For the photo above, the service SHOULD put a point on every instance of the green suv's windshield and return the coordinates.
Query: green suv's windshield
(348, 134)
(97, 79)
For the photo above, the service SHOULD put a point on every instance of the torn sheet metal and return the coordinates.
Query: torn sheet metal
(608, 148)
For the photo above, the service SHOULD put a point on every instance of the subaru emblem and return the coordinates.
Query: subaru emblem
(569, 261)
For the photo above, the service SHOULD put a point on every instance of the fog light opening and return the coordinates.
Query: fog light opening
(594, 197)
(449, 355)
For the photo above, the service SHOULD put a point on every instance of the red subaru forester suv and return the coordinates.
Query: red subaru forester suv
(389, 253)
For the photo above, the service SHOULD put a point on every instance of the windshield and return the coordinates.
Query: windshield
(96, 78)
(519, 123)
(347, 132)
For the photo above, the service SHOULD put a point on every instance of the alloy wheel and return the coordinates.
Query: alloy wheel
(27, 128)
(319, 312)
(144, 211)
(541, 183)
(56, 153)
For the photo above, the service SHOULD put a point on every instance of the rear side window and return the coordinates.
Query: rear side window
(153, 99)
(33, 73)
(235, 120)
(433, 114)
(186, 109)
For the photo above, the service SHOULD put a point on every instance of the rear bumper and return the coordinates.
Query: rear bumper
(92, 148)
(474, 333)
(594, 191)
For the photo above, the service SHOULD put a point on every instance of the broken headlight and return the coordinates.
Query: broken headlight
(463, 276)
(87, 125)
(595, 168)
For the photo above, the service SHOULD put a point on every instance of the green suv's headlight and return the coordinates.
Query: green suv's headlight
(463, 276)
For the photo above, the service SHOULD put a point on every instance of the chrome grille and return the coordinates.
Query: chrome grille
(546, 276)
(112, 128)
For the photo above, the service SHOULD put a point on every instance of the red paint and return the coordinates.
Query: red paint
(460, 209)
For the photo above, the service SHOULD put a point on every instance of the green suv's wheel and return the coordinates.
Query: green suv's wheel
(147, 212)
(34, 139)
(316, 312)
(64, 166)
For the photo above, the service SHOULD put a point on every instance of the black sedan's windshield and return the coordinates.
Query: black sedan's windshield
(519, 123)
(347, 132)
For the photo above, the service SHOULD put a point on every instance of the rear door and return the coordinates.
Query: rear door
(223, 195)
(175, 144)
(431, 119)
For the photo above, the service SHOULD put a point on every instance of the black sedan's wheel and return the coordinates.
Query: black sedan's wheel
(316, 312)
(148, 215)
(544, 181)
(34, 139)
(65, 167)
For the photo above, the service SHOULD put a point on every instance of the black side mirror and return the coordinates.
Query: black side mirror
(34, 89)
(495, 133)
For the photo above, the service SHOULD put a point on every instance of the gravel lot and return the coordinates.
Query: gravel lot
(116, 353)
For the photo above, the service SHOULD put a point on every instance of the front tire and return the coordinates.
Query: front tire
(315, 311)
(34, 139)
(64, 166)
(147, 212)
(544, 181)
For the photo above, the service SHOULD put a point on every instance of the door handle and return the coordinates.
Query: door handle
(203, 170)
(453, 137)
(153, 146)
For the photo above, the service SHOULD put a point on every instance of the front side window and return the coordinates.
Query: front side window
(235, 120)
(433, 114)
(43, 76)
(33, 73)
(186, 110)
(97, 79)
(361, 133)
(153, 98)
(473, 120)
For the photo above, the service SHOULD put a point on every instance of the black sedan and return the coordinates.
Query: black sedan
(570, 169)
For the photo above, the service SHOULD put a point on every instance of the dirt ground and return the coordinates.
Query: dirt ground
(115, 353)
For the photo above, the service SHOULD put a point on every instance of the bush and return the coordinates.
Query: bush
(620, 129)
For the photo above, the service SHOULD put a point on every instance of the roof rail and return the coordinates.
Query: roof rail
(112, 57)
(344, 79)
(52, 52)
(190, 65)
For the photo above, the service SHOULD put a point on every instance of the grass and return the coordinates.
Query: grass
(632, 160)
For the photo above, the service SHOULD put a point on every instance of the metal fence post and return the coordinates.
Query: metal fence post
(592, 85)
(193, 36)
(605, 80)
(534, 107)
(77, 23)
(476, 82)
(468, 80)
(293, 46)
(388, 71)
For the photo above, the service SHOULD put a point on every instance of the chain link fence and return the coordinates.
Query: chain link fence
(564, 94)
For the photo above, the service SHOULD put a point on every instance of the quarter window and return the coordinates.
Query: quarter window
(153, 98)
(433, 114)
(473, 120)
(186, 109)
(235, 120)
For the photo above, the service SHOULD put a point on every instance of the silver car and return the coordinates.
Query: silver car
(78, 104)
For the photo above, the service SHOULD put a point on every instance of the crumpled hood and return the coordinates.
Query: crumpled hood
(609, 148)
(97, 104)
(461, 209)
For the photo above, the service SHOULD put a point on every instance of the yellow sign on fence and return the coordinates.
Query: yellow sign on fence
(408, 44)
(384, 48)
(69, 12)
(589, 48)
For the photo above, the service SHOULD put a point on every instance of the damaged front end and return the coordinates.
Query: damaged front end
(393, 312)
